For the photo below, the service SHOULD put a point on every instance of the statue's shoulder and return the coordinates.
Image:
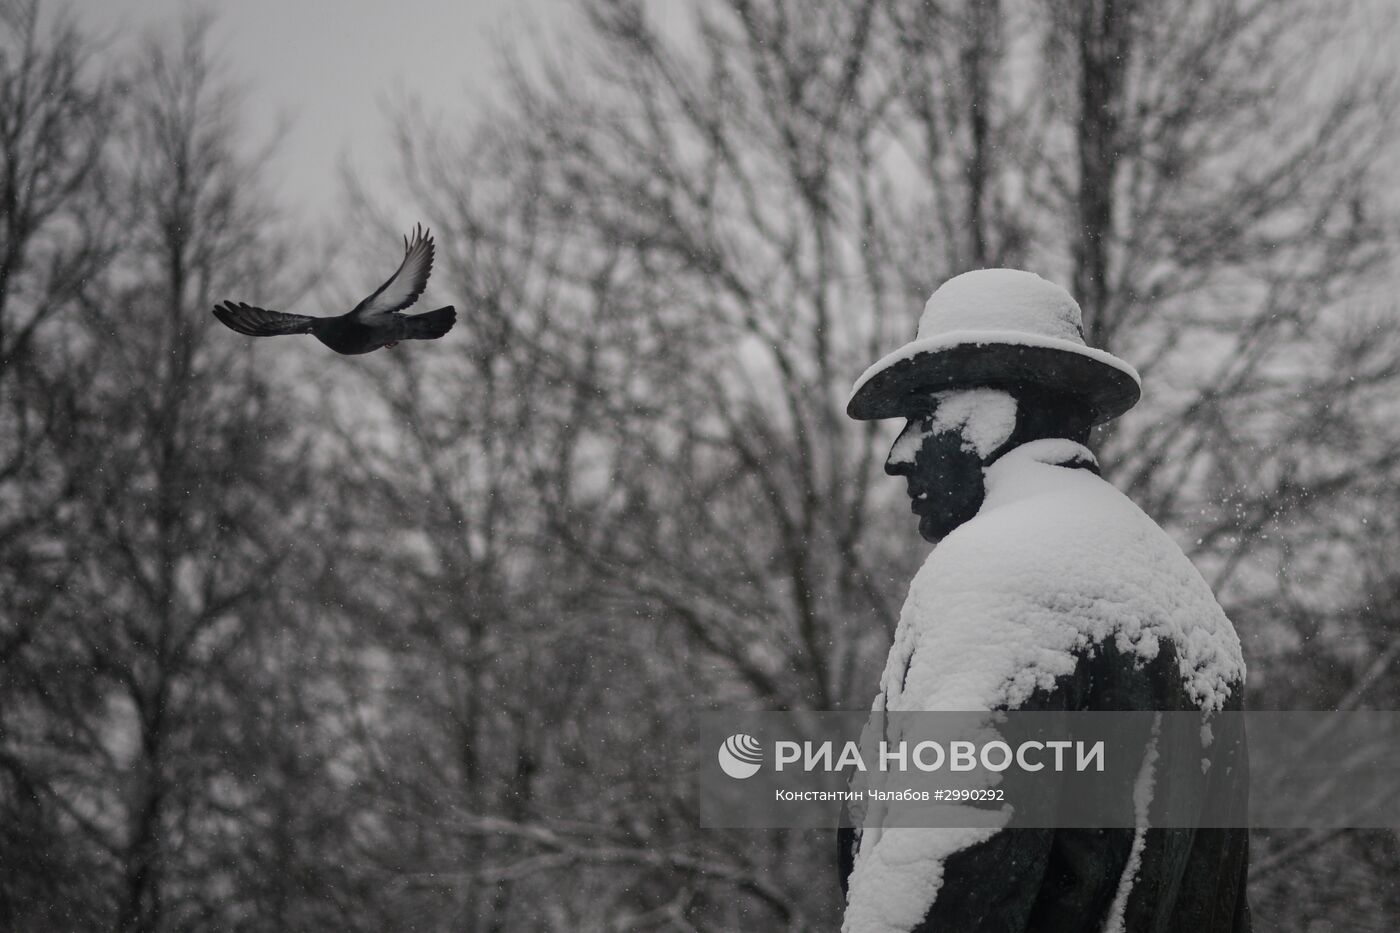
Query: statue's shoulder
(1057, 563)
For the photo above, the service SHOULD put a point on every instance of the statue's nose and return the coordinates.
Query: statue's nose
(899, 462)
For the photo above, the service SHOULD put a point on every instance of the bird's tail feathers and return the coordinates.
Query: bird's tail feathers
(430, 324)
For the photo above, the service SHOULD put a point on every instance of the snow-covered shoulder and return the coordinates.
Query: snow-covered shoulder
(1057, 560)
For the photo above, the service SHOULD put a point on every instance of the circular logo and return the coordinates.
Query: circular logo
(740, 756)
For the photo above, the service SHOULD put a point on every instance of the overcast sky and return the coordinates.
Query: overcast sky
(326, 66)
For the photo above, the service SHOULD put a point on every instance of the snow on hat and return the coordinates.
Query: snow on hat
(997, 328)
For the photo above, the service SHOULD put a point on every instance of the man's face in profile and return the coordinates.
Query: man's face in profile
(943, 472)
(947, 440)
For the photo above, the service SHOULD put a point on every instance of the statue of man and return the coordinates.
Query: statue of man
(1047, 589)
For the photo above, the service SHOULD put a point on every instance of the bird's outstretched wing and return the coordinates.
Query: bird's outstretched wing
(405, 285)
(259, 322)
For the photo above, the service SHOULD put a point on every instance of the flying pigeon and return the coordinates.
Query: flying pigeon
(373, 323)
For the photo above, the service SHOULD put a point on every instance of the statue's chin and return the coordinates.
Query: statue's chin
(957, 502)
(934, 528)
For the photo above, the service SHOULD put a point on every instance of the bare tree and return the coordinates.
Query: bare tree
(199, 522)
(180, 525)
(56, 131)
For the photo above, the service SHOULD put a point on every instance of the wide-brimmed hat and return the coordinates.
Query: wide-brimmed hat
(997, 328)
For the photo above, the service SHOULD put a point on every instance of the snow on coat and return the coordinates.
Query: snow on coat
(1056, 563)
